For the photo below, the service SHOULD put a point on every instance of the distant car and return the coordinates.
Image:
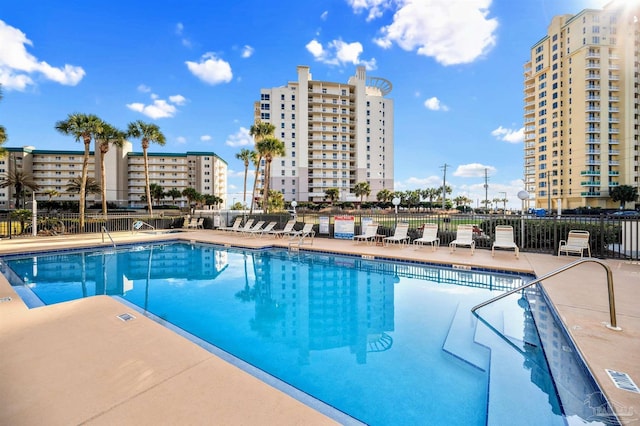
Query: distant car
(625, 213)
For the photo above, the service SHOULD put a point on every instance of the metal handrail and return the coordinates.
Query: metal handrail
(104, 230)
(612, 303)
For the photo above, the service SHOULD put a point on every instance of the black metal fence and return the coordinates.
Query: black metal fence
(610, 237)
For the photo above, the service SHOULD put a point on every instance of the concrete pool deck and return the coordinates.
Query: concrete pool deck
(76, 362)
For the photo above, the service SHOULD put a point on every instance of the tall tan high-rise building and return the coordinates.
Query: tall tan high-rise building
(335, 134)
(582, 108)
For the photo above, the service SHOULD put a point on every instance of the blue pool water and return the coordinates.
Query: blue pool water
(386, 343)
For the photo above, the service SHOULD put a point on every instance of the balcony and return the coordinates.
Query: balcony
(614, 131)
(590, 194)
(593, 141)
(614, 173)
(590, 173)
(614, 184)
(614, 141)
(614, 152)
(593, 129)
(593, 98)
(614, 163)
(592, 119)
(614, 88)
(590, 183)
(593, 152)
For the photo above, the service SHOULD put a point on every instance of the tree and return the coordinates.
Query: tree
(332, 194)
(157, 192)
(276, 200)
(147, 133)
(108, 136)
(51, 193)
(91, 186)
(384, 196)
(430, 194)
(245, 156)
(362, 189)
(624, 193)
(212, 200)
(20, 181)
(269, 147)
(174, 193)
(83, 127)
(259, 131)
(191, 195)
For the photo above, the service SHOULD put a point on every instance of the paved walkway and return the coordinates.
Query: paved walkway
(77, 363)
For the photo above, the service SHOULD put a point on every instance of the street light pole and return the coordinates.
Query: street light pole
(523, 195)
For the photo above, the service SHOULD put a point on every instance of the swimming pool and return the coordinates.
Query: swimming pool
(386, 343)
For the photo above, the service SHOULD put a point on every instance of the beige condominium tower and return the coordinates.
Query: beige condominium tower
(582, 108)
(335, 135)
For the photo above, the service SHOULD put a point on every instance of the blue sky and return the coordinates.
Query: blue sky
(196, 67)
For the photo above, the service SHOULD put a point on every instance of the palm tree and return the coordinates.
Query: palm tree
(51, 193)
(174, 193)
(20, 181)
(259, 131)
(245, 156)
(82, 127)
(157, 192)
(191, 195)
(362, 189)
(384, 196)
(147, 133)
(430, 194)
(331, 194)
(108, 135)
(91, 186)
(269, 147)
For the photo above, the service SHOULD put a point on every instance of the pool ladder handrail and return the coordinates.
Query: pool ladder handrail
(612, 304)
(104, 230)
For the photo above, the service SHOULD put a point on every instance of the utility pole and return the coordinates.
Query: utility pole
(444, 186)
(486, 189)
(548, 193)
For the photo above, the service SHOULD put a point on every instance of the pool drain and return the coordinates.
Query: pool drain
(126, 317)
(623, 381)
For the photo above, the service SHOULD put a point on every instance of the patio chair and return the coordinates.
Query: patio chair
(200, 223)
(234, 227)
(263, 231)
(464, 237)
(504, 239)
(288, 227)
(399, 235)
(192, 223)
(576, 242)
(246, 226)
(429, 236)
(306, 231)
(370, 232)
(255, 228)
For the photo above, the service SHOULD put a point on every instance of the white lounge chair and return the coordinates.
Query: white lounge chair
(234, 227)
(576, 242)
(370, 232)
(200, 223)
(504, 239)
(429, 236)
(288, 227)
(306, 231)
(246, 226)
(399, 235)
(255, 228)
(263, 231)
(464, 237)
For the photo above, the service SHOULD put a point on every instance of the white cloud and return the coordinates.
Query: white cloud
(247, 51)
(159, 108)
(434, 104)
(339, 53)
(178, 99)
(509, 135)
(324, 15)
(17, 66)
(205, 138)
(240, 138)
(451, 31)
(181, 140)
(375, 7)
(474, 170)
(144, 88)
(210, 69)
(179, 32)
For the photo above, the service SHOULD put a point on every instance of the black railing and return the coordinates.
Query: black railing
(610, 237)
